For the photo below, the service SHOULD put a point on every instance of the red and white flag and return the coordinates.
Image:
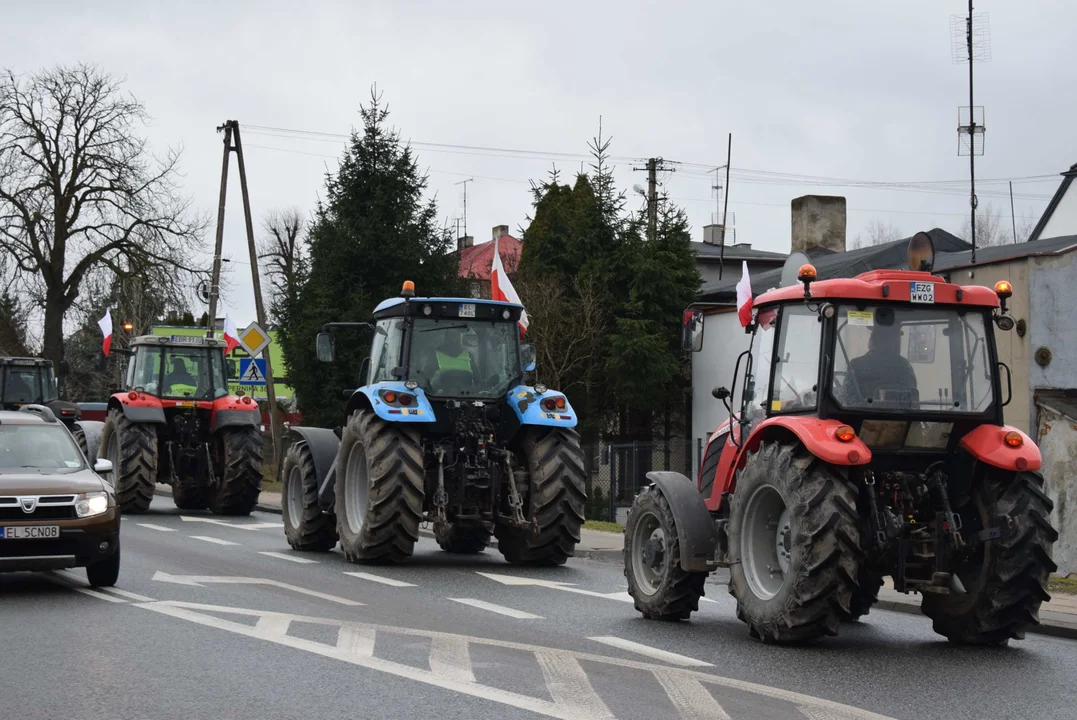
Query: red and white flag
(501, 288)
(744, 298)
(231, 335)
(105, 324)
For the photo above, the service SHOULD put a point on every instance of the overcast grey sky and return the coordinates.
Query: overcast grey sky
(853, 90)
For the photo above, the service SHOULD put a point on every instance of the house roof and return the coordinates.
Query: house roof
(706, 252)
(1003, 253)
(476, 261)
(1067, 180)
(830, 264)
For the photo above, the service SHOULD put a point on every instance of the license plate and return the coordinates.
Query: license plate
(29, 532)
(467, 309)
(921, 292)
(185, 403)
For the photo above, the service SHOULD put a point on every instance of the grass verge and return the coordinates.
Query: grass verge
(1059, 584)
(603, 526)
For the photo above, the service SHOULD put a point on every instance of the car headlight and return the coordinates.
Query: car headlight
(90, 504)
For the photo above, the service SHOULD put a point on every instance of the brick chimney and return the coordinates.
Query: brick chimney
(818, 222)
(499, 231)
(464, 242)
(712, 234)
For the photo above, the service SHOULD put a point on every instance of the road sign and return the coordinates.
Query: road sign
(254, 339)
(252, 371)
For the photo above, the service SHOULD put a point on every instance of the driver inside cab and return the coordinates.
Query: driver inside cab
(180, 382)
(883, 371)
(451, 355)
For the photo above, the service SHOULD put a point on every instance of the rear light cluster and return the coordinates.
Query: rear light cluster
(553, 404)
(397, 398)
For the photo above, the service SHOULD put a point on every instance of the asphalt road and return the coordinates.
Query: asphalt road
(220, 619)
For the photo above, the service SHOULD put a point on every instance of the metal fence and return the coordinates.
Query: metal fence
(617, 470)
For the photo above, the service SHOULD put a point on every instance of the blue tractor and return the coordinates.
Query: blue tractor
(444, 430)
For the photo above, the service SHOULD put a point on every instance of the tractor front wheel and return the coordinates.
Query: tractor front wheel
(794, 538)
(379, 489)
(240, 471)
(132, 448)
(1004, 578)
(305, 525)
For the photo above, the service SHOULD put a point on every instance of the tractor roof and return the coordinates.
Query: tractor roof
(454, 308)
(27, 361)
(884, 286)
(178, 341)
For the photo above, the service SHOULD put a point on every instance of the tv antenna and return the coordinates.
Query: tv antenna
(970, 42)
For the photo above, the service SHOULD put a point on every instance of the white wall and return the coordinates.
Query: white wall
(1058, 443)
(1063, 220)
(723, 340)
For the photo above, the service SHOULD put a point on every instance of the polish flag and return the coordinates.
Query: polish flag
(501, 288)
(105, 324)
(744, 298)
(231, 335)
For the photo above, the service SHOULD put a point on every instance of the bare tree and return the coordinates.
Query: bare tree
(876, 233)
(81, 193)
(281, 247)
(991, 230)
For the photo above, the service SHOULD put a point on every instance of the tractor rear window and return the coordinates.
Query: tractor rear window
(23, 385)
(454, 358)
(896, 358)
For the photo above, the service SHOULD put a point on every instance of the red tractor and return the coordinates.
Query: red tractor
(175, 423)
(868, 442)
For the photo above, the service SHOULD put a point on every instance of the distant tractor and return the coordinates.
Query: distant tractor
(443, 430)
(175, 423)
(32, 381)
(868, 442)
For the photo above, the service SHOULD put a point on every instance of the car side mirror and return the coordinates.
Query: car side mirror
(528, 357)
(326, 347)
(692, 331)
(102, 466)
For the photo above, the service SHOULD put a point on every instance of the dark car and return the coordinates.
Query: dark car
(55, 511)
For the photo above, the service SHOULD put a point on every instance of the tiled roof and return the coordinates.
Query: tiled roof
(476, 261)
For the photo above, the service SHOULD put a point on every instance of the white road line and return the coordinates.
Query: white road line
(208, 539)
(273, 624)
(379, 579)
(707, 599)
(98, 595)
(160, 528)
(286, 556)
(672, 658)
(499, 609)
(356, 640)
(569, 687)
(450, 657)
(128, 594)
(689, 697)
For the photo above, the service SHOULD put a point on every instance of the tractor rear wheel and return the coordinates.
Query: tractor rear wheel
(132, 448)
(305, 525)
(661, 589)
(240, 467)
(190, 493)
(557, 500)
(379, 489)
(1005, 579)
(467, 540)
(794, 539)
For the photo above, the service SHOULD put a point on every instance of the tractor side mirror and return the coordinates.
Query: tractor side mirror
(364, 372)
(230, 369)
(326, 347)
(692, 331)
(65, 368)
(720, 393)
(101, 363)
(528, 357)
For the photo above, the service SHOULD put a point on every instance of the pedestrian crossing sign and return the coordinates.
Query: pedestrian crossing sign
(252, 371)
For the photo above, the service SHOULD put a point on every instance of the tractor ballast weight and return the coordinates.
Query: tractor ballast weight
(442, 430)
(838, 468)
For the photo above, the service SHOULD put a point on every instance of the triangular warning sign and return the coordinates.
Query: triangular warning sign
(252, 374)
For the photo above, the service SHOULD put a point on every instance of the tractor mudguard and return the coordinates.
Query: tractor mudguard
(369, 397)
(528, 407)
(818, 436)
(233, 417)
(695, 527)
(323, 445)
(987, 444)
(141, 409)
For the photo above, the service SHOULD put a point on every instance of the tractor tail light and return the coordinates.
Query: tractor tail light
(132, 395)
(246, 400)
(1013, 439)
(560, 403)
(405, 399)
(845, 434)
(389, 396)
(550, 404)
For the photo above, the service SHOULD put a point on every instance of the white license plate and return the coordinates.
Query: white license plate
(29, 532)
(921, 292)
(467, 309)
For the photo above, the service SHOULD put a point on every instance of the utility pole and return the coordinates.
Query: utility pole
(652, 168)
(215, 282)
(1013, 219)
(271, 390)
(725, 210)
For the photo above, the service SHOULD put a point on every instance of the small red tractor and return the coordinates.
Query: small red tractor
(868, 442)
(176, 423)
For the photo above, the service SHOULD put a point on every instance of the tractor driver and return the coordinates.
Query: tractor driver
(883, 368)
(180, 381)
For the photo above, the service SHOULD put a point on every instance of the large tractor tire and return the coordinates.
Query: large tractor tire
(866, 595)
(190, 493)
(132, 448)
(557, 499)
(1005, 578)
(305, 525)
(379, 489)
(88, 438)
(794, 540)
(661, 589)
(467, 540)
(240, 481)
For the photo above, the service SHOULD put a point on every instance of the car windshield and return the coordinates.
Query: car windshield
(454, 358)
(908, 358)
(47, 447)
(195, 373)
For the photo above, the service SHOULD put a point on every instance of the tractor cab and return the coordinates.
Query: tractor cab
(178, 368)
(30, 380)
